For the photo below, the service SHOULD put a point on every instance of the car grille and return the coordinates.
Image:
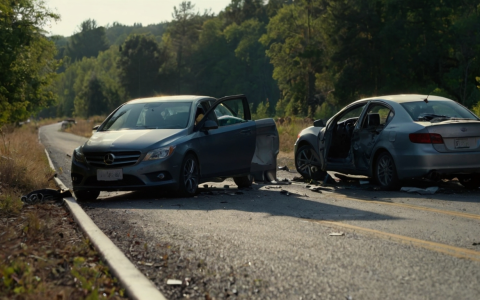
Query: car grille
(128, 180)
(122, 158)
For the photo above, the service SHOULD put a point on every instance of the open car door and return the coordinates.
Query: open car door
(227, 148)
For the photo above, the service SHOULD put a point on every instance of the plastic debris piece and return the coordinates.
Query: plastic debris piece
(428, 191)
(337, 234)
(174, 282)
(476, 244)
(284, 168)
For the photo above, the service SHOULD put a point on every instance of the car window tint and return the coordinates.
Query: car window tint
(230, 112)
(385, 114)
(449, 109)
(352, 113)
(152, 115)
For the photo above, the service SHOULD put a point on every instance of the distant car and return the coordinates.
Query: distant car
(175, 143)
(394, 138)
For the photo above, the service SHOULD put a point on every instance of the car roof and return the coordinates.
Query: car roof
(406, 98)
(169, 99)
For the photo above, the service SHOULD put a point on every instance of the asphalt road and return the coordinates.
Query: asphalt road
(262, 243)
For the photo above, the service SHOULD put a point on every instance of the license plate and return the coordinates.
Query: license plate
(461, 143)
(109, 175)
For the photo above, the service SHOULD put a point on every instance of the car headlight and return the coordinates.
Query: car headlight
(159, 153)
(78, 155)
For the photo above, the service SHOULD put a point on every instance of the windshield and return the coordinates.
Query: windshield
(153, 115)
(437, 110)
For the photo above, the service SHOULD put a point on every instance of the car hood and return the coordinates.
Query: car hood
(131, 139)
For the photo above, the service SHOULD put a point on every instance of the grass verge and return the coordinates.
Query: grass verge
(42, 253)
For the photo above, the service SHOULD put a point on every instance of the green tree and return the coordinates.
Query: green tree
(139, 64)
(88, 42)
(91, 99)
(27, 64)
(296, 49)
(184, 31)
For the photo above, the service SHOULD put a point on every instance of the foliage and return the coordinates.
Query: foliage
(26, 59)
(305, 58)
(90, 41)
(139, 62)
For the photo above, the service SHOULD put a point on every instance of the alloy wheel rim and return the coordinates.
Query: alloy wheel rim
(190, 175)
(385, 170)
(307, 163)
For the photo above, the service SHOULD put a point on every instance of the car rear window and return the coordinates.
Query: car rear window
(423, 111)
(153, 115)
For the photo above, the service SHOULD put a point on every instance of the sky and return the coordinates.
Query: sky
(127, 12)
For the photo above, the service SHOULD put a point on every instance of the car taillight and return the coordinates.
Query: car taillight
(425, 138)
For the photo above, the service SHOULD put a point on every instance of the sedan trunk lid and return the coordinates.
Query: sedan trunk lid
(458, 135)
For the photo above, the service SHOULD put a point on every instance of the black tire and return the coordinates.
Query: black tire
(308, 163)
(244, 181)
(470, 181)
(385, 172)
(189, 176)
(83, 196)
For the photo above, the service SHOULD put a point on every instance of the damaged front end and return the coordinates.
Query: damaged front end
(264, 161)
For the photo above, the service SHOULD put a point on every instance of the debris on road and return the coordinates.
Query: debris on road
(268, 187)
(319, 189)
(337, 234)
(284, 192)
(174, 282)
(476, 244)
(364, 182)
(44, 195)
(226, 186)
(428, 191)
(284, 168)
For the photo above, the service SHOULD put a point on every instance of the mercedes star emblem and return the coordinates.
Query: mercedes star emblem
(109, 158)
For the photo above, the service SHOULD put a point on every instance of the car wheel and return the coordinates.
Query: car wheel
(83, 196)
(385, 171)
(189, 176)
(244, 181)
(470, 181)
(308, 164)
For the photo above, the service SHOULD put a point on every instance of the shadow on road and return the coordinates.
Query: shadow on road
(252, 200)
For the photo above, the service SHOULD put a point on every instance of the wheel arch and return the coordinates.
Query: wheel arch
(379, 151)
(191, 151)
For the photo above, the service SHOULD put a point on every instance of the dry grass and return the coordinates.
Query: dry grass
(84, 127)
(42, 253)
(288, 133)
(23, 164)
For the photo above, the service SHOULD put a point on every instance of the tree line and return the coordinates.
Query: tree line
(291, 58)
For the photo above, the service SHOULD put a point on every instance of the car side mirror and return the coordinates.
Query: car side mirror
(209, 124)
(95, 127)
(318, 123)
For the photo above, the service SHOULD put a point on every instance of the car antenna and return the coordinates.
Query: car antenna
(426, 99)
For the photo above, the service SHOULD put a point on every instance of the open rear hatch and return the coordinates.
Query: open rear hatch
(458, 136)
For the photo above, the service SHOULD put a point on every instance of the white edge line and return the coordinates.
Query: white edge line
(138, 287)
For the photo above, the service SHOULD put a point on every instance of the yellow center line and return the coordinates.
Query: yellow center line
(424, 208)
(437, 247)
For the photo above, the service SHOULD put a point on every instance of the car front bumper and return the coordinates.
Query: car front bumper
(142, 175)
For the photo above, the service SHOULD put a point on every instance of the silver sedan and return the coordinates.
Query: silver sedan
(394, 138)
